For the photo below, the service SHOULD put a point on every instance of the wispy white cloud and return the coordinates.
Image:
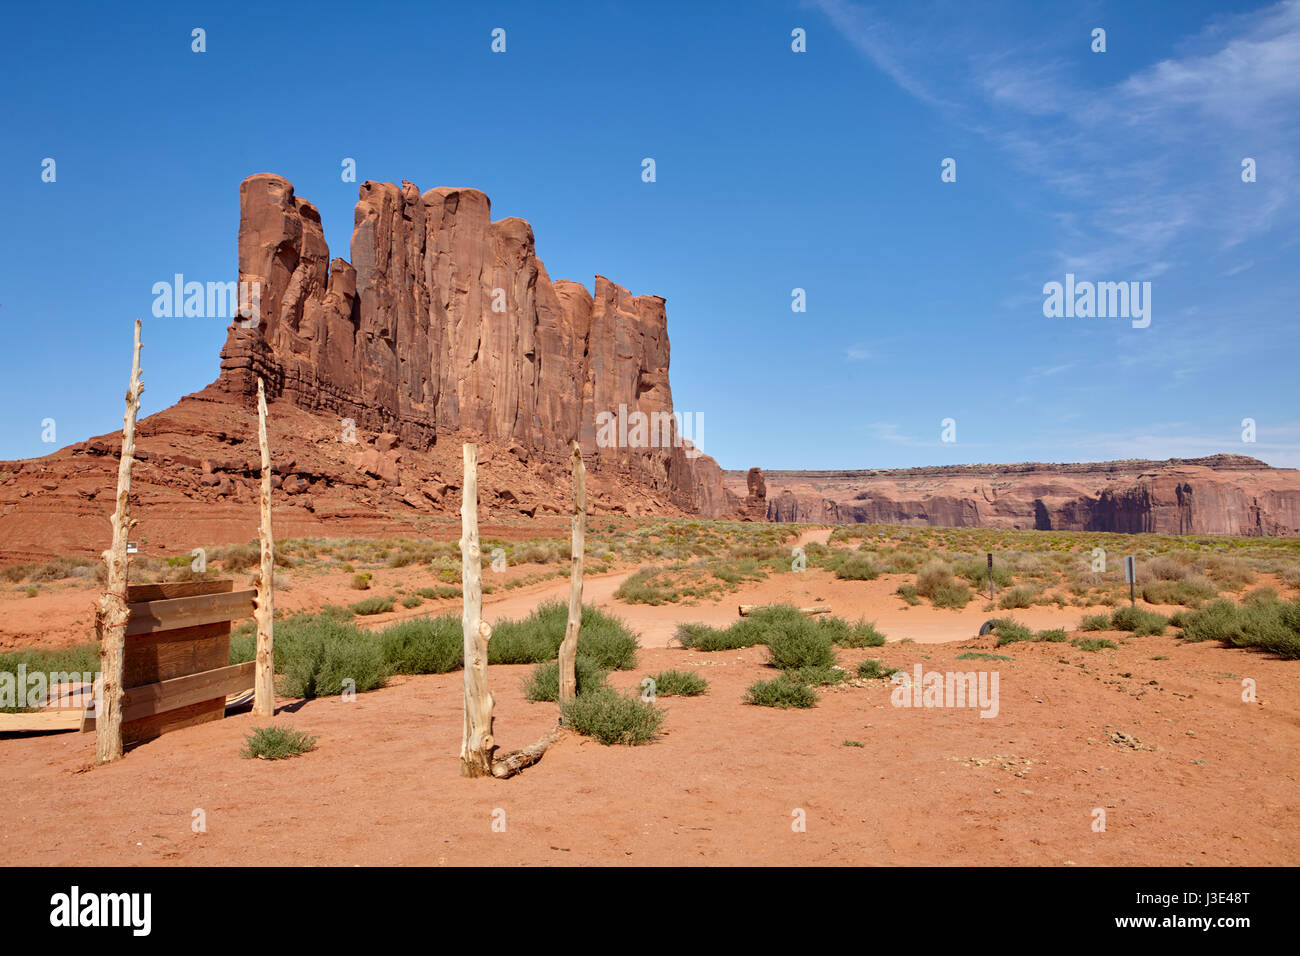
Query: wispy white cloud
(1143, 166)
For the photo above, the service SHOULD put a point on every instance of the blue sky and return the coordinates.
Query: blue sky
(776, 170)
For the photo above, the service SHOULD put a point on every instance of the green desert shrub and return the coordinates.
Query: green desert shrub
(412, 600)
(1053, 636)
(674, 683)
(373, 605)
(954, 595)
(603, 638)
(431, 645)
(1010, 631)
(361, 582)
(806, 645)
(976, 572)
(933, 575)
(871, 669)
(857, 567)
(1270, 625)
(644, 587)
(612, 718)
(783, 692)
(276, 743)
(1093, 643)
(1020, 597)
(1138, 620)
(1192, 591)
(749, 631)
(318, 655)
(544, 682)
(909, 594)
(1095, 622)
(844, 634)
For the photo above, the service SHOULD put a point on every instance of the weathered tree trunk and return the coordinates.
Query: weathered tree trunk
(264, 611)
(517, 760)
(569, 648)
(477, 744)
(111, 614)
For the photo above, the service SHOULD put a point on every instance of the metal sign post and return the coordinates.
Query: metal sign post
(990, 576)
(1130, 575)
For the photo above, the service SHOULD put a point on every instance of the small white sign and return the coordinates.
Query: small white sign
(132, 547)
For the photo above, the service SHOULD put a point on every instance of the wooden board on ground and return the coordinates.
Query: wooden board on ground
(41, 721)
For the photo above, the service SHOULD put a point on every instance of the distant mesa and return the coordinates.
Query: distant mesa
(1219, 494)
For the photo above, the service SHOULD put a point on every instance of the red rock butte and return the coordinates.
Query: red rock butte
(446, 322)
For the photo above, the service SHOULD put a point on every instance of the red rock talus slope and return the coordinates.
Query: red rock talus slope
(1222, 494)
(446, 322)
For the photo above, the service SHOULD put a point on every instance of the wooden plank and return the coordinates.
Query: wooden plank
(41, 721)
(147, 728)
(176, 589)
(155, 657)
(148, 617)
(150, 699)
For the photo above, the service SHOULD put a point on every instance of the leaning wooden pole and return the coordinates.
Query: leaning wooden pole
(264, 610)
(111, 614)
(477, 744)
(569, 648)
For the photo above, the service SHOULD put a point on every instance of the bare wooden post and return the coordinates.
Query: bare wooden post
(477, 744)
(569, 648)
(264, 609)
(111, 614)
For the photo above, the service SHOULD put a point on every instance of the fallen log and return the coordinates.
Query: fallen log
(811, 611)
(517, 760)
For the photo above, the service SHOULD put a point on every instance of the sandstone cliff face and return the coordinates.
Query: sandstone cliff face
(1224, 494)
(446, 322)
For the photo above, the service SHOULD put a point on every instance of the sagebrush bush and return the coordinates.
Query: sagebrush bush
(674, 683)
(954, 595)
(1020, 597)
(806, 645)
(373, 605)
(1054, 636)
(1270, 625)
(783, 692)
(844, 634)
(316, 655)
(857, 567)
(909, 594)
(431, 645)
(871, 669)
(934, 574)
(1138, 620)
(543, 683)
(611, 718)
(603, 638)
(1192, 591)
(276, 743)
(747, 632)
(361, 582)
(1093, 643)
(1095, 622)
(976, 571)
(1010, 631)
